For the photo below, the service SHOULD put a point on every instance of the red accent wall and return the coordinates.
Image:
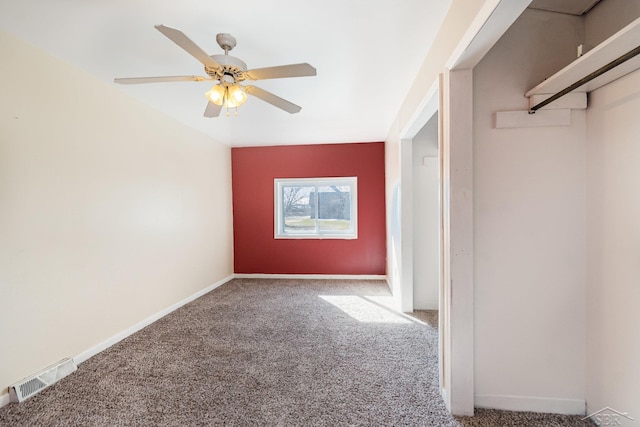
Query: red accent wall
(256, 250)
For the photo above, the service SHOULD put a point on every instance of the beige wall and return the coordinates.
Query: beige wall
(613, 236)
(109, 211)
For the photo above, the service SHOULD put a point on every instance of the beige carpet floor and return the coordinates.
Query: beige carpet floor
(267, 353)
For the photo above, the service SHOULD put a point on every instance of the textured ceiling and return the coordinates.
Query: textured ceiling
(367, 53)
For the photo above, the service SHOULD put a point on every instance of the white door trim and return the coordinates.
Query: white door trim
(456, 309)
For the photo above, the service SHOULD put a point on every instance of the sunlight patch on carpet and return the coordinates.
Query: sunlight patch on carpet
(363, 310)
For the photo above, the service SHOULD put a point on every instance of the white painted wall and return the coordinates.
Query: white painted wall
(529, 229)
(426, 217)
(613, 229)
(109, 212)
(613, 255)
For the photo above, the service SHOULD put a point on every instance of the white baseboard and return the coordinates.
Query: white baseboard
(311, 276)
(4, 398)
(87, 354)
(533, 404)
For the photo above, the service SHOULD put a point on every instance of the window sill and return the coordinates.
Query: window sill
(317, 237)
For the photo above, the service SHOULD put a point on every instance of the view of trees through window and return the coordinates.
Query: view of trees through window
(316, 208)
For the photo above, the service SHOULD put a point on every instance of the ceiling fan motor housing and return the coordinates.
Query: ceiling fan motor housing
(229, 65)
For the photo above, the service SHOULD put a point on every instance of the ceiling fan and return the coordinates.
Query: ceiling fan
(227, 72)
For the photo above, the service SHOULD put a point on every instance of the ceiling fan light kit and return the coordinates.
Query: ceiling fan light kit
(227, 96)
(227, 72)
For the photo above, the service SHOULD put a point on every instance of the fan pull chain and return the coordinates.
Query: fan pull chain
(225, 99)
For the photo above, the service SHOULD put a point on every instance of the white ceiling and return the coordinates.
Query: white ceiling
(366, 52)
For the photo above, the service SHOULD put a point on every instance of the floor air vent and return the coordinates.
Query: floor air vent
(35, 383)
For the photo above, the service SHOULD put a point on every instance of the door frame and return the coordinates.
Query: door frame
(452, 96)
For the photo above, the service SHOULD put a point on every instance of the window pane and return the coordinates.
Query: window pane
(316, 208)
(334, 208)
(297, 208)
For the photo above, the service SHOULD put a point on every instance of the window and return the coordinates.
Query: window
(316, 208)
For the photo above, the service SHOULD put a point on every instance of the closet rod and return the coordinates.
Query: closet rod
(627, 56)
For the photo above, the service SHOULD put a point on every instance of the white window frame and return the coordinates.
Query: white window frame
(278, 213)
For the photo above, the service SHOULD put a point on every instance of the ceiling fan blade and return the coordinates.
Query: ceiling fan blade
(212, 110)
(272, 99)
(185, 42)
(164, 79)
(293, 70)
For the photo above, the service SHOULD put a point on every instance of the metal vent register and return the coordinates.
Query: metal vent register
(37, 382)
